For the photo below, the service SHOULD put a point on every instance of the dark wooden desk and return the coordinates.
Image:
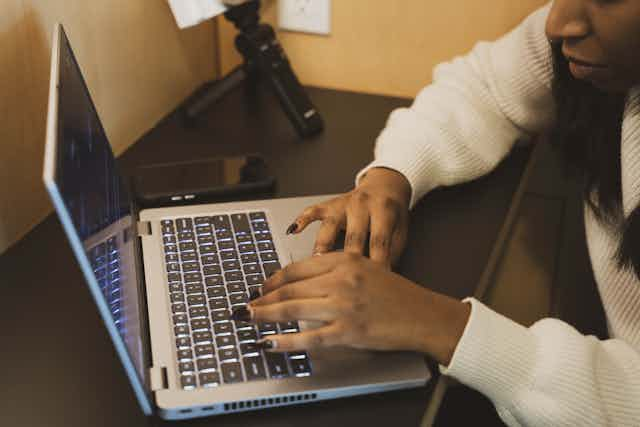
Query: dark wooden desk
(59, 367)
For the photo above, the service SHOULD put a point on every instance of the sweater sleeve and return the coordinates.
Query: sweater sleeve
(548, 374)
(460, 126)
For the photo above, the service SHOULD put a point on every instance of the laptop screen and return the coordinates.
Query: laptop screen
(97, 203)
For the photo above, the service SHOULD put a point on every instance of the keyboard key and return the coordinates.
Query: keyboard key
(226, 245)
(204, 230)
(258, 216)
(180, 319)
(260, 226)
(268, 256)
(220, 316)
(175, 287)
(216, 292)
(171, 258)
(247, 336)
(267, 328)
(249, 348)
(207, 249)
(221, 222)
(228, 255)
(243, 325)
(202, 337)
(270, 268)
(227, 354)
(192, 277)
(218, 304)
(298, 355)
(265, 246)
(184, 224)
(277, 364)
(186, 367)
(188, 381)
(231, 265)
(210, 259)
(209, 379)
(223, 328)
(210, 270)
(301, 367)
(170, 249)
(181, 330)
(254, 292)
(255, 279)
(179, 308)
(173, 277)
(236, 299)
(225, 341)
(183, 342)
(204, 350)
(205, 240)
(194, 288)
(196, 300)
(195, 312)
(187, 246)
(223, 235)
(202, 220)
(171, 239)
(234, 276)
(214, 281)
(188, 267)
(251, 269)
(167, 227)
(249, 258)
(244, 238)
(170, 268)
(177, 297)
(236, 287)
(188, 256)
(208, 363)
(289, 327)
(200, 324)
(254, 368)
(246, 248)
(263, 237)
(185, 354)
(231, 372)
(241, 223)
(186, 236)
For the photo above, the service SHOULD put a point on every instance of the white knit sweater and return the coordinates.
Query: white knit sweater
(458, 129)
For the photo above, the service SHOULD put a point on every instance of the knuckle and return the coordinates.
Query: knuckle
(316, 340)
(331, 220)
(354, 238)
(361, 197)
(290, 311)
(381, 241)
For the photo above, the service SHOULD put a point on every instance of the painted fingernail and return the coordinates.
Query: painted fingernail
(318, 253)
(267, 344)
(241, 313)
(292, 228)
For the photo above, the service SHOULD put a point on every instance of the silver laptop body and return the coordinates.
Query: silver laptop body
(127, 259)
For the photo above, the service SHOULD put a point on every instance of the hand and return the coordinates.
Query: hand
(362, 305)
(379, 205)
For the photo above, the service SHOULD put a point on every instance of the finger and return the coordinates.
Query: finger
(301, 270)
(310, 288)
(309, 215)
(399, 240)
(326, 238)
(311, 339)
(302, 309)
(357, 224)
(382, 230)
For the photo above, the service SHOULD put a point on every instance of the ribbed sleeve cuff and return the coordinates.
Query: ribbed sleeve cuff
(412, 171)
(495, 355)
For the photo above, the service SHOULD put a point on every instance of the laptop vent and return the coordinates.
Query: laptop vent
(242, 405)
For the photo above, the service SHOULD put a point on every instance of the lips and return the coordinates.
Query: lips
(586, 70)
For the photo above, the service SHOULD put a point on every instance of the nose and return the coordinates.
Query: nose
(567, 21)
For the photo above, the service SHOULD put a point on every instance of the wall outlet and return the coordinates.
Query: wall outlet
(307, 16)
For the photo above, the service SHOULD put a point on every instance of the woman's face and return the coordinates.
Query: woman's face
(601, 40)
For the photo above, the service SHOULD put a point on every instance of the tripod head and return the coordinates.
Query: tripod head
(245, 17)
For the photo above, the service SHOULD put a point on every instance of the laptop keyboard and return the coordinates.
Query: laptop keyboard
(215, 264)
(105, 261)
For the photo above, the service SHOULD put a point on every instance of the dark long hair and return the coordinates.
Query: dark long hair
(588, 131)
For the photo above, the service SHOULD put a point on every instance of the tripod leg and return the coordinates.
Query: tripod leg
(214, 93)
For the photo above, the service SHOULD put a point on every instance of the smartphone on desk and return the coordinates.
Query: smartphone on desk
(203, 181)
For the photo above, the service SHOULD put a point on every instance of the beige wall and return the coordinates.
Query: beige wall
(138, 67)
(392, 49)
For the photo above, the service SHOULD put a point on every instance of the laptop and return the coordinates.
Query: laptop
(165, 280)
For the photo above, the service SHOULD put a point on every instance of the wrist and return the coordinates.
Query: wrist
(388, 179)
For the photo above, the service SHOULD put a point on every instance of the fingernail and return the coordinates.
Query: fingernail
(241, 313)
(317, 253)
(267, 344)
(292, 228)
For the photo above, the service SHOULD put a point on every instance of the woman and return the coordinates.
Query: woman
(572, 67)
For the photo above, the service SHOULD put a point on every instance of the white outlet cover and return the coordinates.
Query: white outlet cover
(307, 16)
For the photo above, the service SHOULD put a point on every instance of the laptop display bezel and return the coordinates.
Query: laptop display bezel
(140, 385)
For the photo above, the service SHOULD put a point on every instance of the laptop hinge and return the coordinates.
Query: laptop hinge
(144, 228)
(158, 378)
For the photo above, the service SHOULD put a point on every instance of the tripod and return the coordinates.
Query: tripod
(265, 59)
